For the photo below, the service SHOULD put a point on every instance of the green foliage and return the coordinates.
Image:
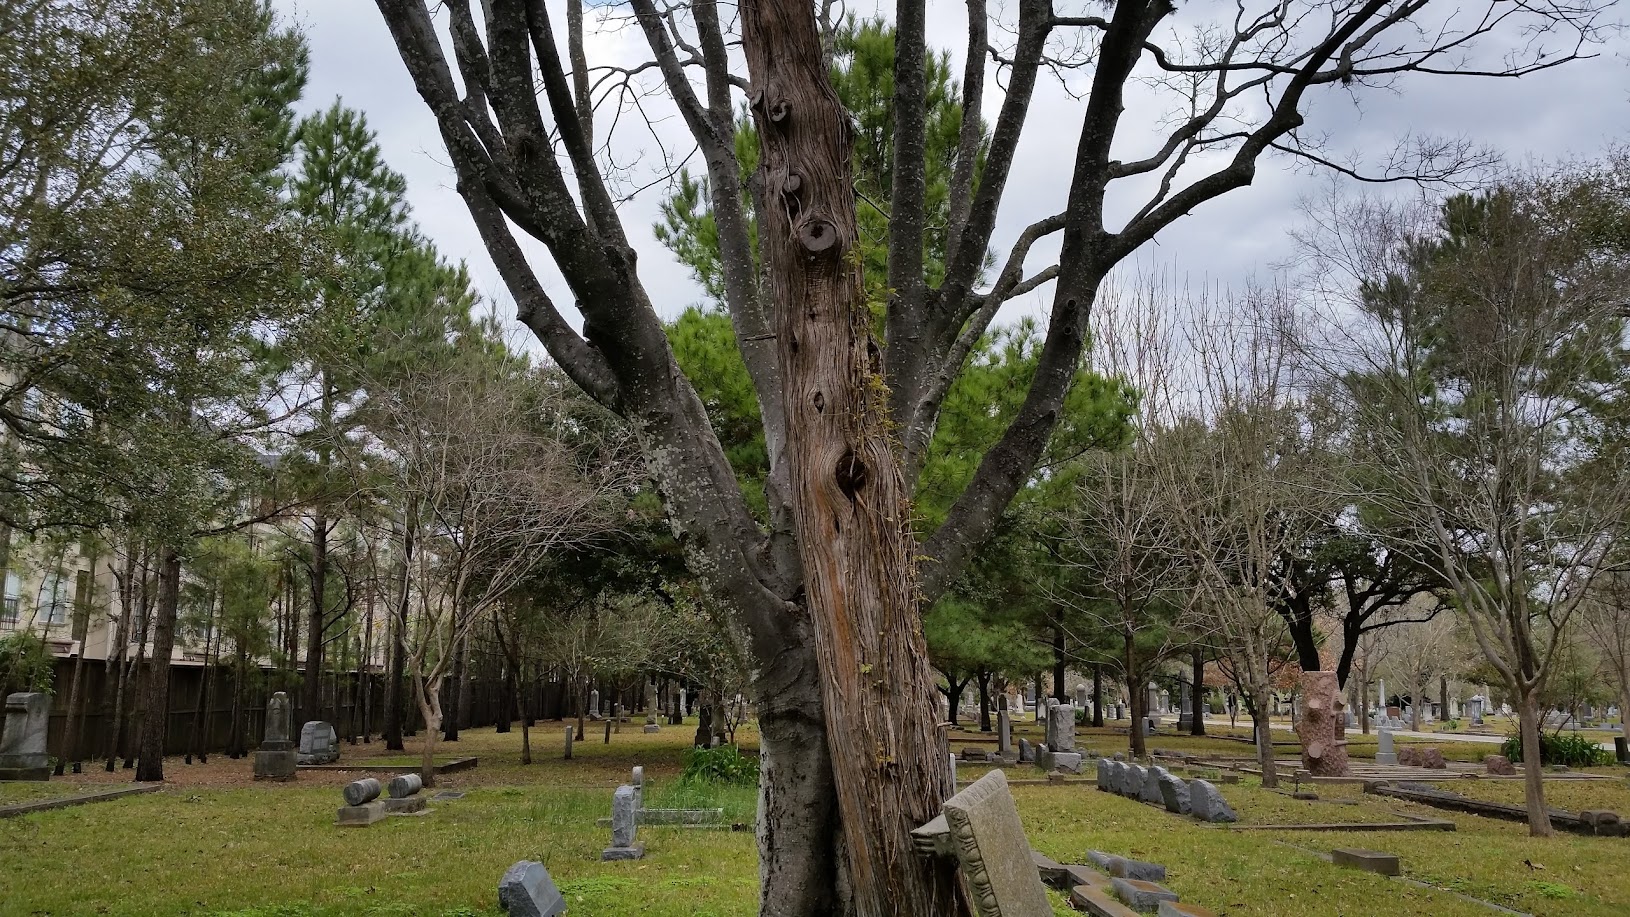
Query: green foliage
(26, 663)
(723, 764)
(1565, 749)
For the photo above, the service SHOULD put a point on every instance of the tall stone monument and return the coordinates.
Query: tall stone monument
(22, 748)
(1061, 727)
(276, 757)
(1323, 726)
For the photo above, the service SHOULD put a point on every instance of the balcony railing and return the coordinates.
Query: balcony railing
(9, 612)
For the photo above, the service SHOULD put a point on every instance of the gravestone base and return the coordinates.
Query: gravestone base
(407, 805)
(635, 852)
(652, 727)
(360, 816)
(1385, 758)
(25, 772)
(275, 765)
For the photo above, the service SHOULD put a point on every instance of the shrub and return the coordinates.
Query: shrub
(25, 663)
(722, 765)
(1570, 750)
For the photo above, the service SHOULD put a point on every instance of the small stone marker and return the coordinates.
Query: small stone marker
(526, 890)
(1151, 785)
(358, 792)
(951, 764)
(1106, 774)
(1174, 794)
(276, 757)
(1027, 754)
(1004, 733)
(447, 796)
(1068, 762)
(637, 781)
(1384, 753)
(1368, 860)
(318, 743)
(404, 789)
(1141, 895)
(1206, 804)
(1122, 868)
(623, 821)
(362, 808)
(991, 848)
(22, 748)
(571, 734)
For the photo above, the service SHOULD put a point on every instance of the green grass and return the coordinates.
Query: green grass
(15, 791)
(271, 850)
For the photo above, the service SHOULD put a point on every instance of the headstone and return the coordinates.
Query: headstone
(1123, 868)
(1498, 766)
(1207, 804)
(22, 748)
(1384, 753)
(1621, 749)
(1151, 785)
(594, 704)
(358, 792)
(1174, 794)
(1132, 781)
(1106, 774)
(951, 765)
(276, 757)
(361, 816)
(571, 733)
(1322, 727)
(1061, 728)
(1027, 754)
(1004, 733)
(637, 781)
(526, 890)
(994, 854)
(405, 785)
(318, 743)
(1081, 696)
(1068, 762)
(1140, 895)
(1422, 756)
(623, 820)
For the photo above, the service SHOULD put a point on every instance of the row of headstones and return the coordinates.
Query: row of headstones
(1158, 786)
(363, 806)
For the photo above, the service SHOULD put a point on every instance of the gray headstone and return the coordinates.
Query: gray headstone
(951, 763)
(594, 702)
(637, 781)
(1384, 752)
(1061, 727)
(1026, 753)
(526, 890)
(1151, 785)
(1081, 696)
(993, 852)
(624, 818)
(22, 748)
(318, 743)
(358, 792)
(1174, 794)
(1106, 774)
(1132, 781)
(1123, 868)
(1068, 762)
(405, 785)
(1004, 732)
(1207, 804)
(279, 724)
(1140, 895)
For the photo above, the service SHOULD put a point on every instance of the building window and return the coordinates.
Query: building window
(56, 599)
(10, 604)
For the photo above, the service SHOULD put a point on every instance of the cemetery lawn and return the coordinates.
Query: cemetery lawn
(16, 791)
(215, 843)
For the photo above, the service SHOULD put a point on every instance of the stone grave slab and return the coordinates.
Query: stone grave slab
(22, 748)
(526, 890)
(1207, 804)
(360, 816)
(1142, 895)
(990, 847)
(1375, 861)
(1174, 795)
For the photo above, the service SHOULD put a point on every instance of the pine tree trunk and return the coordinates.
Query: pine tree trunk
(1533, 769)
(1138, 699)
(156, 696)
(1199, 694)
(312, 702)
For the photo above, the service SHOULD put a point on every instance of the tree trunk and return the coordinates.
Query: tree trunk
(1262, 728)
(312, 696)
(518, 687)
(848, 500)
(1198, 674)
(156, 697)
(429, 698)
(70, 732)
(1059, 664)
(984, 701)
(1138, 699)
(1417, 704)
(456, 689)
(1533, 769)
(1443, 698)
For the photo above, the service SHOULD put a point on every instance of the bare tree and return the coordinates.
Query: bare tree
(1484, 364)
(1420, 652)
(828, 588)
(491, 485)
(1606, 623)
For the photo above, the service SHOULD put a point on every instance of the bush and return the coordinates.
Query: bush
(722, 765)
(25, 663)
(1570, 750)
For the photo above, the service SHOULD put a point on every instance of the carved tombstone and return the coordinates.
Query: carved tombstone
(276, 758)
(22, 750)
(1323, 725)
(991, 848)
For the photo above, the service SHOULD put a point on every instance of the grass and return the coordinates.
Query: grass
(15, 791)
(214, 844)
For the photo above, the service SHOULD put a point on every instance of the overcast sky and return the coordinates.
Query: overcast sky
(1576, 110)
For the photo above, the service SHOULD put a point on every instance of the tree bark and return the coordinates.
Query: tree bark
(1059, 663)
(312, 695)
(1533, 768)
(455, 694)
(1098, 695)
(1262, 728)
(984, 702)
(156, 696)
(855, 538)
(1198, 693)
